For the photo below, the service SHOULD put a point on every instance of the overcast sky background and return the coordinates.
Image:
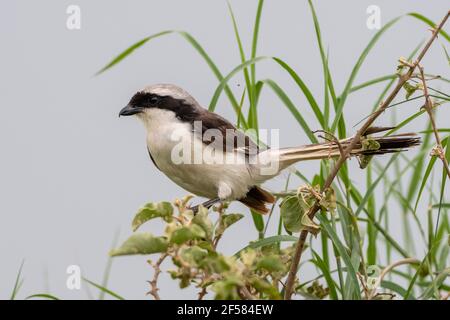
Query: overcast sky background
(72, 173)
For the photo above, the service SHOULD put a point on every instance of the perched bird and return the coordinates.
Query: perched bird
(192, 146)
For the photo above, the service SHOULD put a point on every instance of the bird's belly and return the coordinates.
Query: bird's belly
(205, 179)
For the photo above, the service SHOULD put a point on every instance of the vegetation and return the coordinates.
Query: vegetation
(355, 252)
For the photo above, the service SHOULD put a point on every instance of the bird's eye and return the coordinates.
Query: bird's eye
(154, 100)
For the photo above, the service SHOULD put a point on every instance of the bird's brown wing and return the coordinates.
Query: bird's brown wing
(219, 133)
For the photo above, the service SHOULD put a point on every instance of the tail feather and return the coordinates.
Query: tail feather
(257, 198)
(386, 144)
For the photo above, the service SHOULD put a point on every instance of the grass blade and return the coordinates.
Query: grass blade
(305, 90)
(193, 42)
(267, 241)
(325, 224)
(430, 23)
(290, 105)
(45, 296)
(18, 283)
(356, 69)
(326, 273)
(106, 290)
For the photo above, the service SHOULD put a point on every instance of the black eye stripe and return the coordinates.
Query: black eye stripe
(144, 100)
(183, 110)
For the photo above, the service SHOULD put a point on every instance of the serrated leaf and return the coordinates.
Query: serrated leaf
(292, 212)
(226, 221)
(193, 255)
(152, 210)
(187, 233)
(141, 243)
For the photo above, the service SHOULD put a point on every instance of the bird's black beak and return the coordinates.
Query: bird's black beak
(129, 110)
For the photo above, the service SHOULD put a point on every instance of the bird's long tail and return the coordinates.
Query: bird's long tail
(364, 150)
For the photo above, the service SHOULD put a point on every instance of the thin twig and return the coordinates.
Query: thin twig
(154, 282)
(428, 106)
(354, 141)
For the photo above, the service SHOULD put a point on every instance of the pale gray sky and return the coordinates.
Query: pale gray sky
(71, 172)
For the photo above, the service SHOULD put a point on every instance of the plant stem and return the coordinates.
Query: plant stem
(154, 283)
(439, 150)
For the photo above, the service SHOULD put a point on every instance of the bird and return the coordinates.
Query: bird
(188, 144)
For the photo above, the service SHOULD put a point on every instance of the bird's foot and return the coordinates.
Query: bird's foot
(207, 204)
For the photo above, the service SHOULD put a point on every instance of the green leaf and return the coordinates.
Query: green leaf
(202, 219)
(215, 263)
(271, 263)
(227, 289)
(187, 233)
(258, 221)
(226, 220)
(193, 255)
(292, 212)
(295, 215)
(267, 242)
(429, 22)
(141, 243)
(263, 286)
(153, 210)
